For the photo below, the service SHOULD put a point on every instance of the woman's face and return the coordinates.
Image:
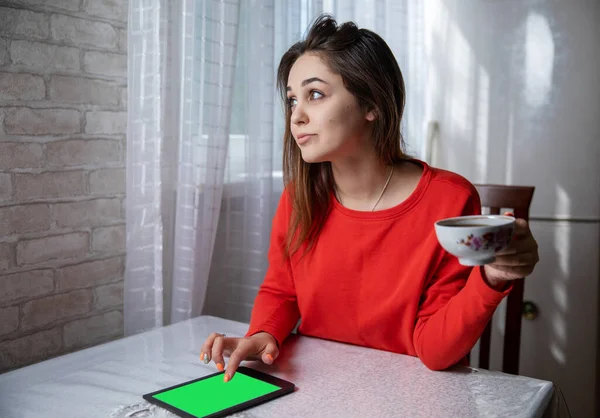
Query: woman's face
(326, 120)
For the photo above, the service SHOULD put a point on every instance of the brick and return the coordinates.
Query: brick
(91, 273)
(16, 86)
(9, 320)
(5, 256)
(4, 57)
(41, 56)
(123, 101)
(46, 310)
(72, 5)
(87, 213)
(101, 122)
(109, 296)
(94, 330)
(5, 226)
(23, 23)
(109, 239)
(110, 9)
(26, 121)
(83, 32)
(81, 152)
(105, 63)
(67, 89)
(27, 284)
(52, 248)
(20, 155)
(108, 181)
(5, 187)
(50, 184)
(24, 219)
(26, 350)
(30, 218)
(122, 33)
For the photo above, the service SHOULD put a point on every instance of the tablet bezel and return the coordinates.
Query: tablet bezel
(285, 387)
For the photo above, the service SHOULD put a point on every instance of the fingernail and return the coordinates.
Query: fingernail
(270, 357)
(226, 378)
(220, 367)
(206, 359)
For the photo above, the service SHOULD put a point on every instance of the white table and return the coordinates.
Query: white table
(332, 379)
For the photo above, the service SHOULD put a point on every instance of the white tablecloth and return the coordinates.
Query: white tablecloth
(332, 379)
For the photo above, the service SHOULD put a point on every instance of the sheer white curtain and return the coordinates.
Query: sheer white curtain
(181, 69)
(205, 142)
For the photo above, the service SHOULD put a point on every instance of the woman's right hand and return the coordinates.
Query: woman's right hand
(261, 346)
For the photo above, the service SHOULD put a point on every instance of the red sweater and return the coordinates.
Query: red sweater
(380, 279)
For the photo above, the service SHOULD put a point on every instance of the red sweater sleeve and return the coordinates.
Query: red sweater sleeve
(455, 309)
(275, 308)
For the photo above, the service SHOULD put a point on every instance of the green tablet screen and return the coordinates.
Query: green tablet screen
(207, 396)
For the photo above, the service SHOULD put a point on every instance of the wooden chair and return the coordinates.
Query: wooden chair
(518, 199)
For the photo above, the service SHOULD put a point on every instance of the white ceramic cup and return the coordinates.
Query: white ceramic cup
(476, 239)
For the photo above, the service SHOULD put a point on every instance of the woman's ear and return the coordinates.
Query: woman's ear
(371, 115)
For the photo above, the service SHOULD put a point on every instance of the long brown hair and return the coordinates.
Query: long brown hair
(370, 72)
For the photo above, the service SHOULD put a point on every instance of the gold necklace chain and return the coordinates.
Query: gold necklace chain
(339, 198)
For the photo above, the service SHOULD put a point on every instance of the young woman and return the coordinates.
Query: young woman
(353, 251)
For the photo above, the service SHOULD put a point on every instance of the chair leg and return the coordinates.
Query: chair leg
(484, 347)
(512, 334)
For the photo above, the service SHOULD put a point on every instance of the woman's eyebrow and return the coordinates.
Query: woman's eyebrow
(308, 81)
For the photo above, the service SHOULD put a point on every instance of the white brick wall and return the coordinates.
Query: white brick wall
(106, 122)
(23, 23)
(4, 57)
(83, 32)
(65, 246)
(72, 5)
(9, 319)
(105, 63)
(49, 309)
(24, 218)
(6, 189)
(26, 284)
(63, 122)
(33, 347)
(109, 296)
(15, 155)
(5, 259)
(83, 152)
(90, 273)
(49, 184)
(108, 181)
(92, 330)
(109, 239)
(90, 212)
(23, 120)
(22, 86)
(67, 89)
(39, 56)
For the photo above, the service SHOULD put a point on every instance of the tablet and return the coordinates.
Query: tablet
(210, 396)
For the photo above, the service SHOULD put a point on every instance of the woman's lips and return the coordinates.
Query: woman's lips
(304, 138)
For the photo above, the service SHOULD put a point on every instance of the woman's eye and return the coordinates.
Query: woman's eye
(315, 95)
(292, 101)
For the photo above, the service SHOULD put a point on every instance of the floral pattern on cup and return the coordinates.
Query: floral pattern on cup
(487, 241)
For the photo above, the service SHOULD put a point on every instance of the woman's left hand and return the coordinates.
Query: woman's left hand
(515, 261)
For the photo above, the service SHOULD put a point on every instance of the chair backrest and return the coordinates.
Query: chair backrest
(518, 200)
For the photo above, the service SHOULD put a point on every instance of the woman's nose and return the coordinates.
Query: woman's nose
(299, 116)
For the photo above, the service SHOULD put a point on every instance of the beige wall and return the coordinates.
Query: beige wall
(62, 177)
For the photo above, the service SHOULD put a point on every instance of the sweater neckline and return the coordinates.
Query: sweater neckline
(394, 211)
